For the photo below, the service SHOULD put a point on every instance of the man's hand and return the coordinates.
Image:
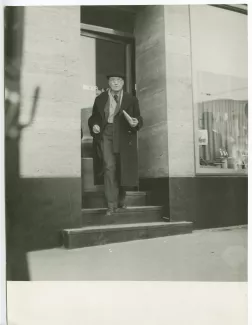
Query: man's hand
(133, 123)
(96, 129)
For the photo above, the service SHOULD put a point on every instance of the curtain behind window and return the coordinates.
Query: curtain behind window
(227, 123)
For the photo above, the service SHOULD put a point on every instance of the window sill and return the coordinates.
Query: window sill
(213, 171)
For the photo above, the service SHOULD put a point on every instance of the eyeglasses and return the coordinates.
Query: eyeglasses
(115, 79)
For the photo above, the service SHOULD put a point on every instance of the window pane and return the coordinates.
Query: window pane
(220, 87)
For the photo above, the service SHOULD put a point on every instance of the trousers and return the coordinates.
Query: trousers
(114, 193)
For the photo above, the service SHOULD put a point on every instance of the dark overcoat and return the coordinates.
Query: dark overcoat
(123, 132)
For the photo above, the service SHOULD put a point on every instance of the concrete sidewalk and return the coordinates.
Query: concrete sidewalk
(205, 255)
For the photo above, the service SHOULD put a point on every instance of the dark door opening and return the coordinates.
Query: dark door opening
(112, 54)
(101, 55)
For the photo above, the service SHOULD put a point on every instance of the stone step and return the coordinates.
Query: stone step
(140, 214)
(96, 199)
(101, 235)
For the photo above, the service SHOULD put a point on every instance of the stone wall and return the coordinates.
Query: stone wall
(50, 150)
(51, 147)
(151, 91)
(179, 91)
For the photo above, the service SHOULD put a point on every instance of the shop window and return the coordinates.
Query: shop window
(220, 89)
(223, 127)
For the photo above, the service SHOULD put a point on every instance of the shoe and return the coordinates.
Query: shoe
(109, 212)
(121, 207)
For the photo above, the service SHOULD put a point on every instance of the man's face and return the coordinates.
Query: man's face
(116, 83)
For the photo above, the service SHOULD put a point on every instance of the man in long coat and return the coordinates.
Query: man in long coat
(115, 141)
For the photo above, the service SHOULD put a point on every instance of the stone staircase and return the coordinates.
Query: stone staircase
(140, 220)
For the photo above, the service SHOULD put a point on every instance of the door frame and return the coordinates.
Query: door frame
(116, 36)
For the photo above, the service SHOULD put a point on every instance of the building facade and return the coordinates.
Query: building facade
(188, 67)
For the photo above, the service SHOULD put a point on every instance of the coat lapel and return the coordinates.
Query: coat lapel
(124, 102)
(102, 103)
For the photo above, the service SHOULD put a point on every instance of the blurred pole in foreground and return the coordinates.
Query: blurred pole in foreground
(17, 268)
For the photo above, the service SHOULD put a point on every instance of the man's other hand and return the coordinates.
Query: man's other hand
(96, 129)
(133, 122)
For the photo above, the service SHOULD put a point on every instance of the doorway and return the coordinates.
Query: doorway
(101, 54)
